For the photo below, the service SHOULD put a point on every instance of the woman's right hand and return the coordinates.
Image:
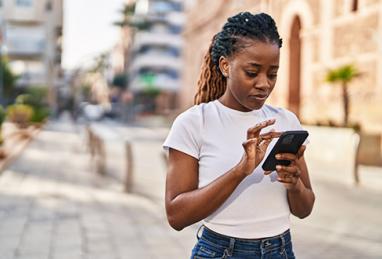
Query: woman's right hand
(256, 145)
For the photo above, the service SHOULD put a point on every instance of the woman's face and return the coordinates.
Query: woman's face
(251, 75)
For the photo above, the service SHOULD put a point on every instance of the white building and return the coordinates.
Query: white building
(156, 51)
(32, 38)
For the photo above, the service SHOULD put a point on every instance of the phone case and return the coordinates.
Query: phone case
(288, 142)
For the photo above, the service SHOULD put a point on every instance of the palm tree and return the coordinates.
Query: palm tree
(130, 19)
(343, 75)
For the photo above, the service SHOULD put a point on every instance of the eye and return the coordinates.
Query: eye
(251, 74)
(272, 76)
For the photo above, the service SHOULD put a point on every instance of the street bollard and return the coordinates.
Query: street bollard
(357, 139)
(96, 148)
(129, 167)
(101, 156)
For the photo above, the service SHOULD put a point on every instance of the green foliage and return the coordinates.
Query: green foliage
(85, 91)
(2, 115)
(151, 91)
(7, 77)
(20, 114)
(35, 97)
(149, 87)
(2, 119)
(344, 73)
(120, 80)
(130, 20)
(40, 114)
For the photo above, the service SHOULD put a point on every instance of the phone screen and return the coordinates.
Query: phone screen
(288, 142)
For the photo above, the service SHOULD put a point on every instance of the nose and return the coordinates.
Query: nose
(262, 82)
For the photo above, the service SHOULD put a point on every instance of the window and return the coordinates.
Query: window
(354, 6)
(24, 3)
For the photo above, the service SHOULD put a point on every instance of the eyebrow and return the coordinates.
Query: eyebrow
(258, 65)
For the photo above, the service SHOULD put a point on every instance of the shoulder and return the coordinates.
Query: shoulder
(270, 109)
(191, 115)
(281, 113)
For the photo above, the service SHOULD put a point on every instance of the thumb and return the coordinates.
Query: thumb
(301, 151)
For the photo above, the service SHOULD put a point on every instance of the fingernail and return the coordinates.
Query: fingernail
(278, 167)
(278, 156)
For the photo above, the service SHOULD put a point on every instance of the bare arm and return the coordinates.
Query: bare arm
(301, 198)
(185, 203)
(295, 178)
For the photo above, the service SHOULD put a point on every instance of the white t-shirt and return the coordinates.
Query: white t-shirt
(213, 134)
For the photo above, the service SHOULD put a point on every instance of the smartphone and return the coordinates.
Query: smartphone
(288, 142)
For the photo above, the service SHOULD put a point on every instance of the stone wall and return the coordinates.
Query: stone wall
(332, 35)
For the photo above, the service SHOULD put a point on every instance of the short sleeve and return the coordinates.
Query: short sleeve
(185, 133)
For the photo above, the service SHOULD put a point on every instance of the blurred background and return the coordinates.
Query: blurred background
(90, 88)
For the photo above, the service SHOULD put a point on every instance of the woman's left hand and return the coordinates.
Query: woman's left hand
(289, 175)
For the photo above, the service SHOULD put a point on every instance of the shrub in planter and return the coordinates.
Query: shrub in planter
(2, 119)
(20, 114)
(40, 114)
(36, 98)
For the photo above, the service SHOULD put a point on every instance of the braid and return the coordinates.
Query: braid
(212, 83)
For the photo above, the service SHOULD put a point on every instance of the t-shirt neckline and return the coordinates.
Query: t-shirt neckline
(236, 112)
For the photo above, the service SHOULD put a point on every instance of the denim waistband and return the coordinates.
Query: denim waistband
(262, 244)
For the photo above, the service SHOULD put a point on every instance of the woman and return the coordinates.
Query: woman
(216, 149)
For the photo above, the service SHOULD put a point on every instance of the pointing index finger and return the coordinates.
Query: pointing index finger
(255, 131)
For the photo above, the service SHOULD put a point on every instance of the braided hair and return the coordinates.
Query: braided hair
(212, 83)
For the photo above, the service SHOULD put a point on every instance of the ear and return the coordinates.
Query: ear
(224, 66)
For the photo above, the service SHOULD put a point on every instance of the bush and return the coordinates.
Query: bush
(20, 114)
(35, 97)
(2, 119)
(40, 114)
(2, 115)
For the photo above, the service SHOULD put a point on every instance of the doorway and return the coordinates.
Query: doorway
(295, 67)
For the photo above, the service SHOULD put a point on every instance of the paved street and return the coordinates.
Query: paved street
(53, 205)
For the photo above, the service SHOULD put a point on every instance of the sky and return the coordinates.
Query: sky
(89, 29)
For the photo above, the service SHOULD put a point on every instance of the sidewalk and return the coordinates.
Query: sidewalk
(53, 205)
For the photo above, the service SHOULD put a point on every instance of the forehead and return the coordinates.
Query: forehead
(255, 51)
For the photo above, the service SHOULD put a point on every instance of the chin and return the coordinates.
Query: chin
(256, 106)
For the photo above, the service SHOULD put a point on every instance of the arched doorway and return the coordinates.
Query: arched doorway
(295, 67)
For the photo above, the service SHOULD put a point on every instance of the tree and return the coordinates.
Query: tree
(8, 79)
(120, 80)
(130, 19)
(343, 75)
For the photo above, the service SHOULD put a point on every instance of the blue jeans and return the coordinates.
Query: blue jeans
(214, 245)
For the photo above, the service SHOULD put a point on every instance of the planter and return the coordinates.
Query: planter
(333, 154)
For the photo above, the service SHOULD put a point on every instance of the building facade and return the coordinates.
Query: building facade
(32, 40)
(155, 54)
(317, 35)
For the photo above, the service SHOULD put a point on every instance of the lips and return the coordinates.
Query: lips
(258, 96)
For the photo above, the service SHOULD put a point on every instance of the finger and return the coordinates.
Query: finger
(254, 131)
(286, 156)
(270, 135)
(264, 144)
(286, 169)
(301, 151)
(267, 172)
(286, 180)
(289, 171)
